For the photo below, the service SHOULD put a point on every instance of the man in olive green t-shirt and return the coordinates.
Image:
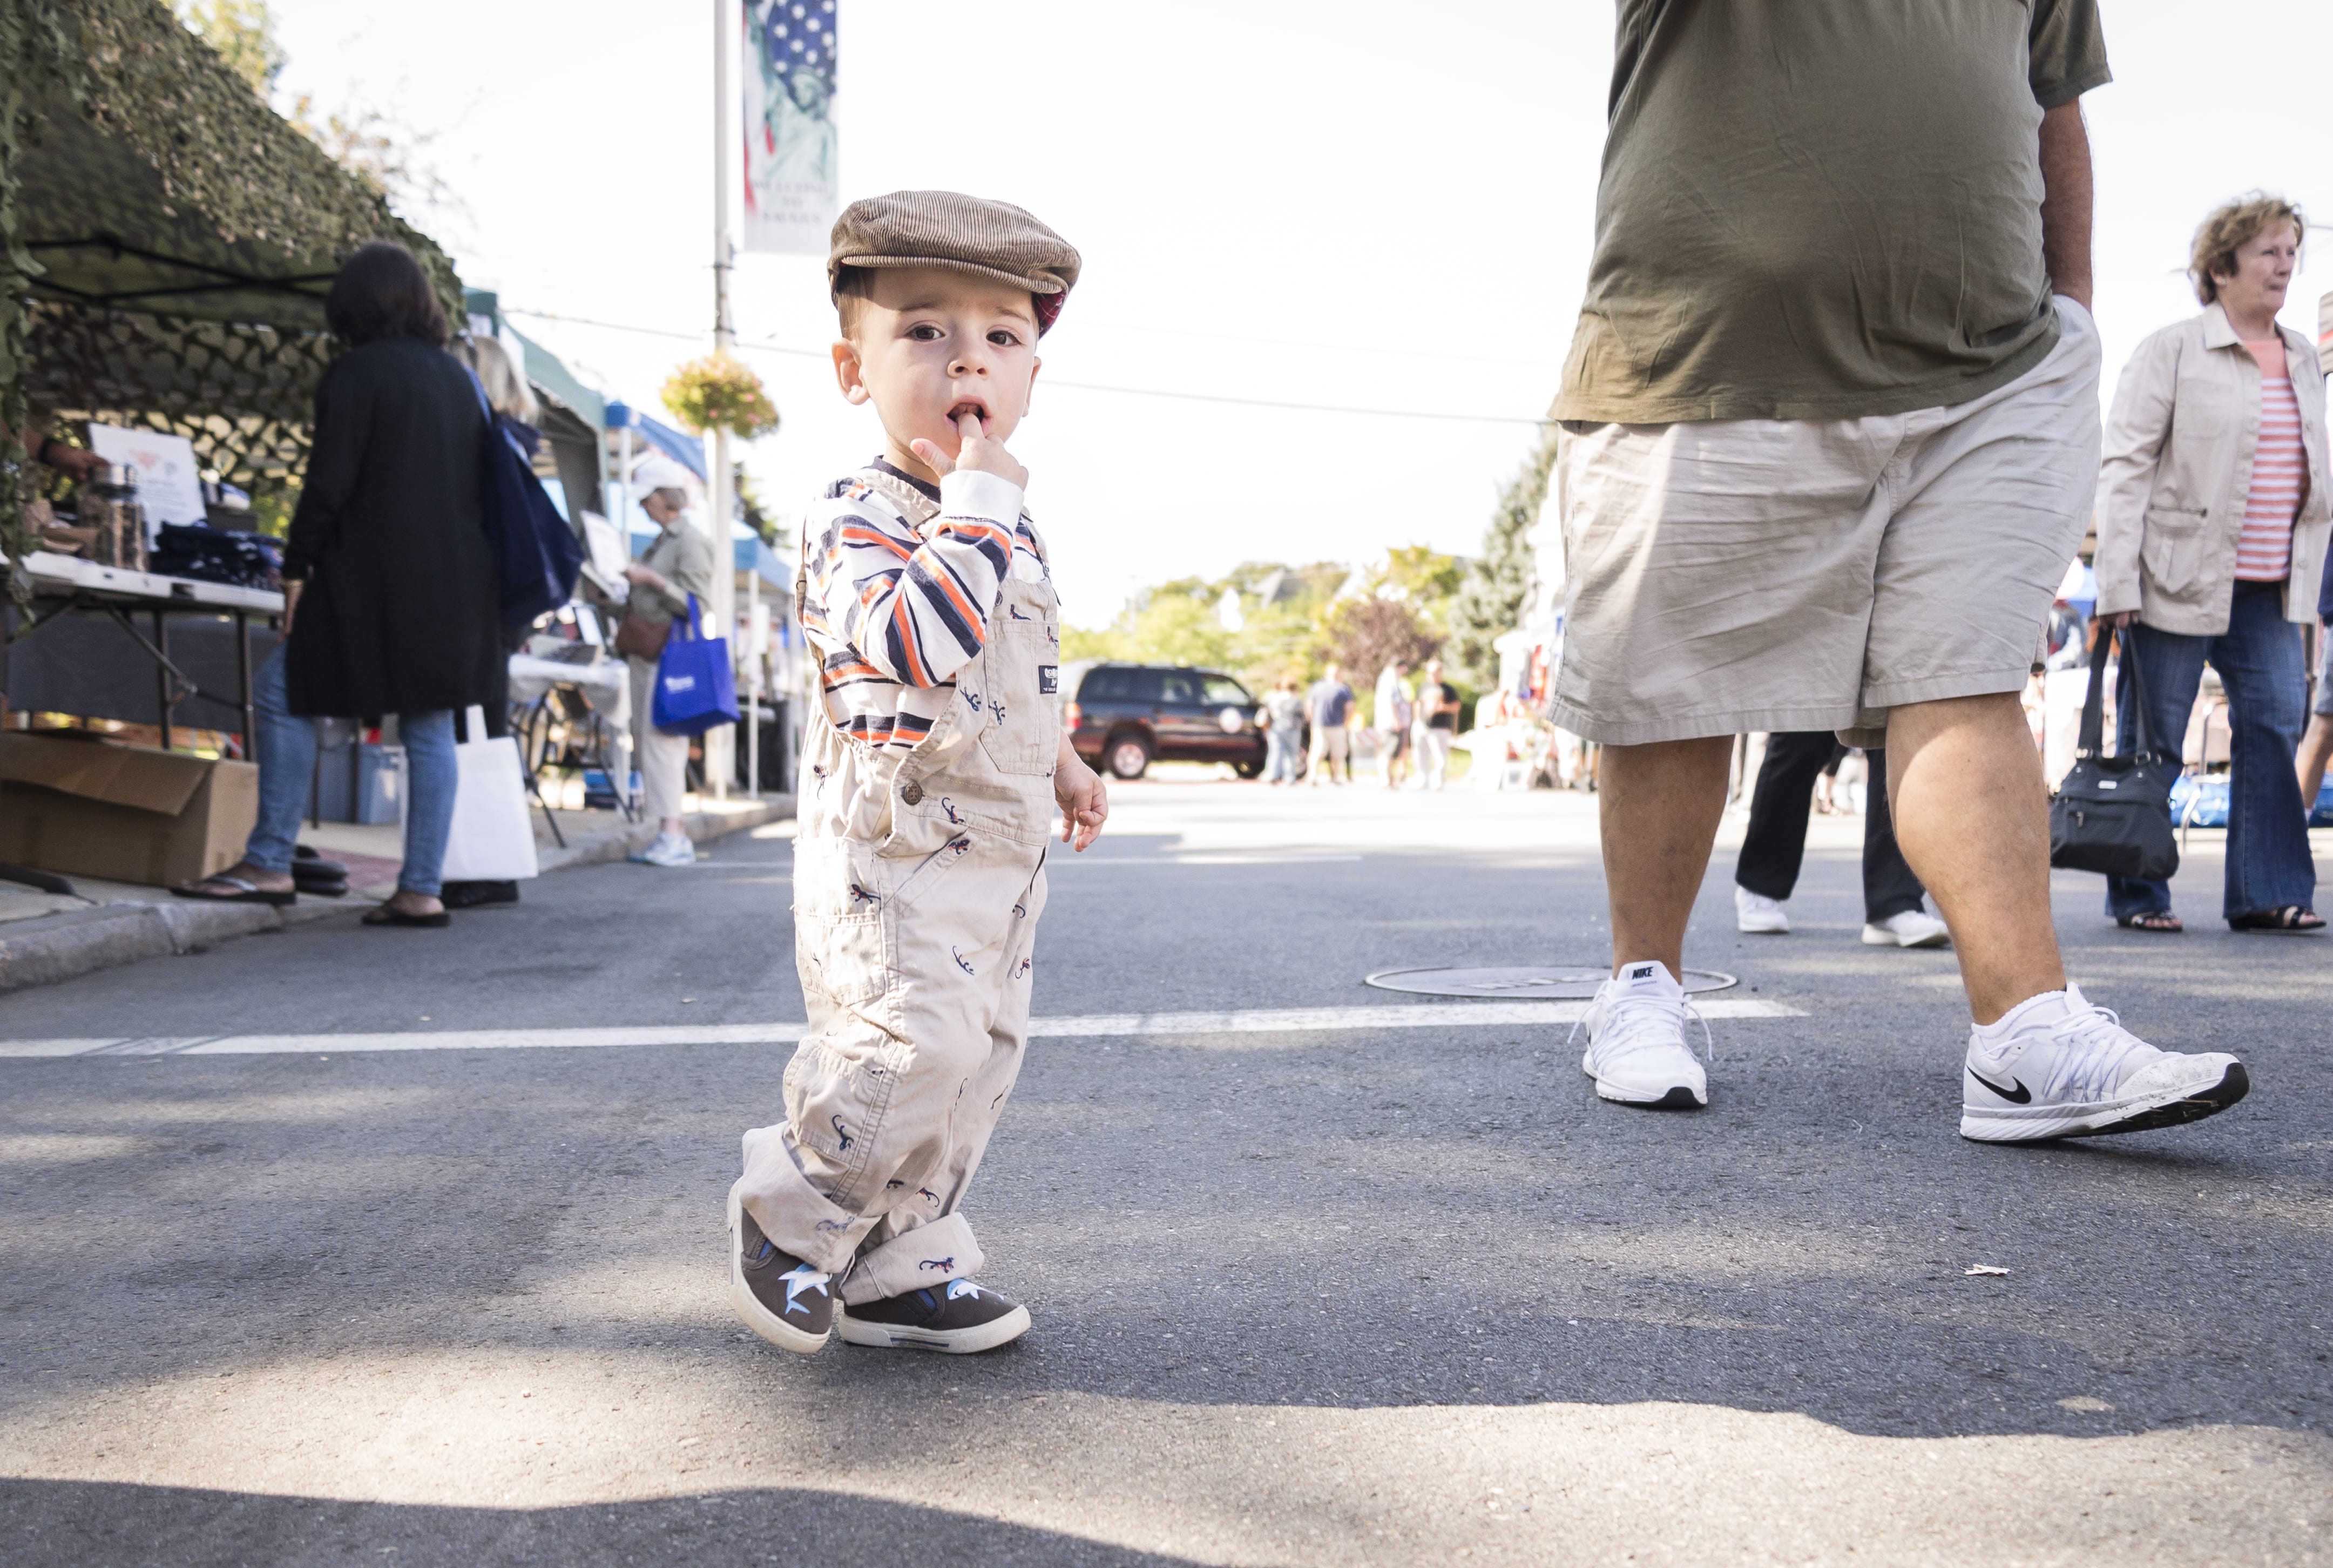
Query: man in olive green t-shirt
(1830, 433)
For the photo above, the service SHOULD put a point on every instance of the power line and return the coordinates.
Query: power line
(771, 348)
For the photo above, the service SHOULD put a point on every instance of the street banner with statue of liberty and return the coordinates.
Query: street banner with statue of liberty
(789, 124)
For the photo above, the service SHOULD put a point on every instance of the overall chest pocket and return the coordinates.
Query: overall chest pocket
(1020, 723)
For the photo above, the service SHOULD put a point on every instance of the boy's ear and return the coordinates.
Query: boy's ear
(847, 372)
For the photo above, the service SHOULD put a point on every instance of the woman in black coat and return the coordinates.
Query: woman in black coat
(389, 598)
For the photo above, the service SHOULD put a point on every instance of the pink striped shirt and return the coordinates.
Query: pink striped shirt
(2264, 548)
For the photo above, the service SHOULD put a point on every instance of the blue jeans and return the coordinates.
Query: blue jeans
(1281, 751)
(287, 766)
(2259, 658)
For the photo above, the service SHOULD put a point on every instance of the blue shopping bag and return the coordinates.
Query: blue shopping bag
(695, 688)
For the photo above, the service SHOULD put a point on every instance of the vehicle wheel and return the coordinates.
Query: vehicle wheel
(1128, 755)
(1248, 769)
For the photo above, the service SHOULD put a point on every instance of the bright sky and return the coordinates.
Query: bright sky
(1364, 205)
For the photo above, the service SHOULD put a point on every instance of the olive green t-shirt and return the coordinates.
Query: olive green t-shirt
(1821, 210)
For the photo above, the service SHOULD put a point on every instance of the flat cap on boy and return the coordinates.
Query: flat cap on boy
(941, 228)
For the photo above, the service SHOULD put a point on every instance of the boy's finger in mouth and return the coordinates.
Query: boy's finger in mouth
(972, 405)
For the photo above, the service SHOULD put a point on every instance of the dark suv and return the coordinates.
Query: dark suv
(1120, 717)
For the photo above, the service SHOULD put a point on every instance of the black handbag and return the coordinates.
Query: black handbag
(2112, 815)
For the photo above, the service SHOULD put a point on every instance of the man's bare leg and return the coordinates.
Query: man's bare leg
(1972, 818)
(1658, 811)
(2316, 751)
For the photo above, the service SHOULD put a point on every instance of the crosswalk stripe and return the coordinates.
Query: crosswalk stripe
(1255, 1021)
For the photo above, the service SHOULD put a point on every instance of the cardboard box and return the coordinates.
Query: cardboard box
(92, 807)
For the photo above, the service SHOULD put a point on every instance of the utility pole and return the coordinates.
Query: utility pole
(720, 744)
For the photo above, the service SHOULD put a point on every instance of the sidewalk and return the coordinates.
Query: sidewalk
(45, 938)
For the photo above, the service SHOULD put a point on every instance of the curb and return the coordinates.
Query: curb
(53, 947)
(703, 827)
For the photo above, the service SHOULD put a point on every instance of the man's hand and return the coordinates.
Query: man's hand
(1085, 803)
(974, 453)
(290, 603)
(641, 576)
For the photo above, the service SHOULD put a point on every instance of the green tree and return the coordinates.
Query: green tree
(1490, 602)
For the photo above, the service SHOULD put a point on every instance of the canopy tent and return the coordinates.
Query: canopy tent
(174, 241)
(683, 448)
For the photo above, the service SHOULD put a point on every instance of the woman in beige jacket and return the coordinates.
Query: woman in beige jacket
(2213, 511)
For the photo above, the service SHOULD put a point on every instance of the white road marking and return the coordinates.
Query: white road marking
(1198, 858)
(1260, 1021)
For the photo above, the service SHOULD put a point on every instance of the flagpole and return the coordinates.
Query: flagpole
(720, 752)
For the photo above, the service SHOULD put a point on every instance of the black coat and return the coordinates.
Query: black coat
(398, 614)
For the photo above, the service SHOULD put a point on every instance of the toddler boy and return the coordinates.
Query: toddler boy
(926, 802)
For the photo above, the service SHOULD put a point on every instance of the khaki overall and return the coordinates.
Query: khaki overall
(919, 878)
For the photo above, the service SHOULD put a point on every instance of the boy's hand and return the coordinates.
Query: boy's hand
(1085, 803)
(974, 453)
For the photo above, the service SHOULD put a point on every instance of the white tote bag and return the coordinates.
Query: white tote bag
(493, 839)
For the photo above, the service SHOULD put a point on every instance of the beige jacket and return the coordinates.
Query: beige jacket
(2178, 466)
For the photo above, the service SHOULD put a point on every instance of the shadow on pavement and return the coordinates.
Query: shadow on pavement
(92, 1525)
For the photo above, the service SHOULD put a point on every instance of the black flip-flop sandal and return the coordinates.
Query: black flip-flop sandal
(2292, 921)
(244, 893)
(2152, 921)
(385, 916)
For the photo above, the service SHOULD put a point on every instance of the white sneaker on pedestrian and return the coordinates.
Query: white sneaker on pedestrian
(1636, 1049)
(669, 850)
(1760, 915)
(1912, 928)
(2057, 1067)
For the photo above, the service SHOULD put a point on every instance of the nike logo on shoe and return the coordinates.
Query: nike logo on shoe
(2019, 1095)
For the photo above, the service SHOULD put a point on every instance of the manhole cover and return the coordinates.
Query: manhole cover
(1552, 982)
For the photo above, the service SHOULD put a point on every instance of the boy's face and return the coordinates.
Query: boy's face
(931, 344)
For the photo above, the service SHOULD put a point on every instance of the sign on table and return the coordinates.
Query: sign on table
(169, 480)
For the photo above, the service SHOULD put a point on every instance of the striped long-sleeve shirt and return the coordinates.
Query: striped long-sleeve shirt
(898, 581)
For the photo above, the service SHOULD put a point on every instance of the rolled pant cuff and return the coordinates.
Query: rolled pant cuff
(796, 1217)
(929, 1255)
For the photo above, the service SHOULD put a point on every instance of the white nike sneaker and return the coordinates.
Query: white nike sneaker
(1760, 915)
(1636, 1051)
(1912, 928)
(2057, 1067)
(667, 850)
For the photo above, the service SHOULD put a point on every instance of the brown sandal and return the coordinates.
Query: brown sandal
(2152, 921)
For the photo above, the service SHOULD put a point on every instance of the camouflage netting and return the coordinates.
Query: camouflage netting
(240, 393)
(166, 240)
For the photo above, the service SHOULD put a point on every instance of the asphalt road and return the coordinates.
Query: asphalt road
(1390, 1296)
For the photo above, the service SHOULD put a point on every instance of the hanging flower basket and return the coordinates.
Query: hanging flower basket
(718, 393)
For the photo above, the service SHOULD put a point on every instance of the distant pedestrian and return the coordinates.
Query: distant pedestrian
(1283, 731)
(679, 564)
(515, 413)
(1434, 726)
(1775, 846)
(1394, 709)
(390, 604)
(1329, 705)
(2214, 506)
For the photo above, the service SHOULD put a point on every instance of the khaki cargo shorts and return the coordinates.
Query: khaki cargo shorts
(1732, 575)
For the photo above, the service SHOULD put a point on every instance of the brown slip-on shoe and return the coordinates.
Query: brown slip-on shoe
(775, 1293)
